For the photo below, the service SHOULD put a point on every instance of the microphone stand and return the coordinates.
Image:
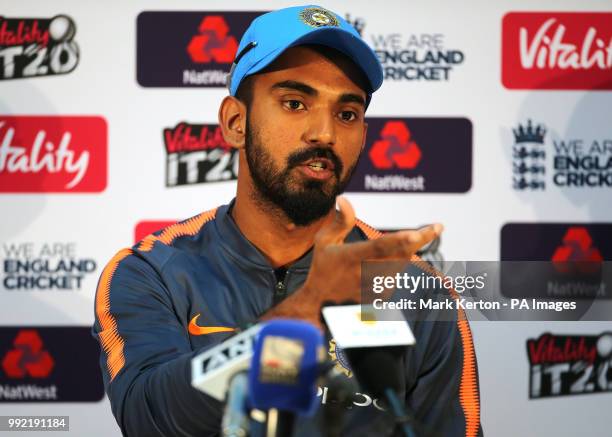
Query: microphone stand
(279, 423)
(235, 422)
(404, 421)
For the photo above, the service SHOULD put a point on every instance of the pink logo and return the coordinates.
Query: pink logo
(557, 50)
(53, 154)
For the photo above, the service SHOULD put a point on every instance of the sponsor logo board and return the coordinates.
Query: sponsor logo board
(53, 154)
(39, 364)
(557, 50)
(35, 47)
(562, 365)
(415, 155)
(188, 49)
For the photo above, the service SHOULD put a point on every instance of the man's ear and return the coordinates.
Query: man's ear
(232, 119)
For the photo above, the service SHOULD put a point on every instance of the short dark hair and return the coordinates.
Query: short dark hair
(244, 93)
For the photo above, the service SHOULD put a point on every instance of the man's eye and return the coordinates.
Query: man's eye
(348, 115)
(294, 105)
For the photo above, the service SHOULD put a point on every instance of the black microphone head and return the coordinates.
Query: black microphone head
(377, 368)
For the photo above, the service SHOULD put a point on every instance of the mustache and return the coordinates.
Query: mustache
(299, 156)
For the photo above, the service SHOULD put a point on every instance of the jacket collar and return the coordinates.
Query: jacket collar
(245, 252)
(241, 249)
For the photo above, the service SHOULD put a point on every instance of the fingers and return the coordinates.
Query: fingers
(398, 245)
(343, 222)
(422, 235)
(345, 216)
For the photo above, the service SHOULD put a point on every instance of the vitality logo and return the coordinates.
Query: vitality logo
(557, 50)
(198, 153)
(53, 154)
(412, 155)
(31, 47)
(562, 365)
(188, 49)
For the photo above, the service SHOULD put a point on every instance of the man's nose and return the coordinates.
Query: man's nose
(321, 129)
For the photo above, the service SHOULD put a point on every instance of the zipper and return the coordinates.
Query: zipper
(280, 289)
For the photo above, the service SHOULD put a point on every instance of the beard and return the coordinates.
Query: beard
(302, 201)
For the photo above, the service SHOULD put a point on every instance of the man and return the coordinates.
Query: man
(299, 88)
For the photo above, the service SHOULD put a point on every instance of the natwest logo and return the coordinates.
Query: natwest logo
(577, 253)
(577, 246)
(413, 155)
(396, 148)
(213, 42)
(40, 365)
(566, 260)
(28, 357)
(557, 50)
(188, 48)
(52, 154)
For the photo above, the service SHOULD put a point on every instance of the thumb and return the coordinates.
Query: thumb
(343, 222)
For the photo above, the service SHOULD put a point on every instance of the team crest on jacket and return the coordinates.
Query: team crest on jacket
(318, 17)
(339, 358)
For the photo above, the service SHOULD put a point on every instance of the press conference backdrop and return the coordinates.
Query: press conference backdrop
(108, 130)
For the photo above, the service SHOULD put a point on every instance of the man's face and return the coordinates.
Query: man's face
(305, 130)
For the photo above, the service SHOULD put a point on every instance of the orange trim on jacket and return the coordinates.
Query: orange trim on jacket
(468, 388)
(172, 232)
(111, 341)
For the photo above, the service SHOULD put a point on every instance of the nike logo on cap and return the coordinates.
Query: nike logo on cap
(194, 329)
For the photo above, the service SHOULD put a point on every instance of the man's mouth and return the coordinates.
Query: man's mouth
(318, 168)
(320, 164)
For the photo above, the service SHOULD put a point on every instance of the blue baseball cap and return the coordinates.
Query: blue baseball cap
(269, 35)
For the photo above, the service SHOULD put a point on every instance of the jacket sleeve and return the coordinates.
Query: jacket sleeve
(445, 396)
(146, 355)
(442, 390)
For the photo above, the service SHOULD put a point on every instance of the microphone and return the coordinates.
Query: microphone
(212, 370)
(221, 371)
(284, 371)
(376, 369)
(374, 350)
(235, 421)
(339, 396)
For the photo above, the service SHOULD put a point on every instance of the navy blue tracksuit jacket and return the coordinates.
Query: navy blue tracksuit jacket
(186, 288)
